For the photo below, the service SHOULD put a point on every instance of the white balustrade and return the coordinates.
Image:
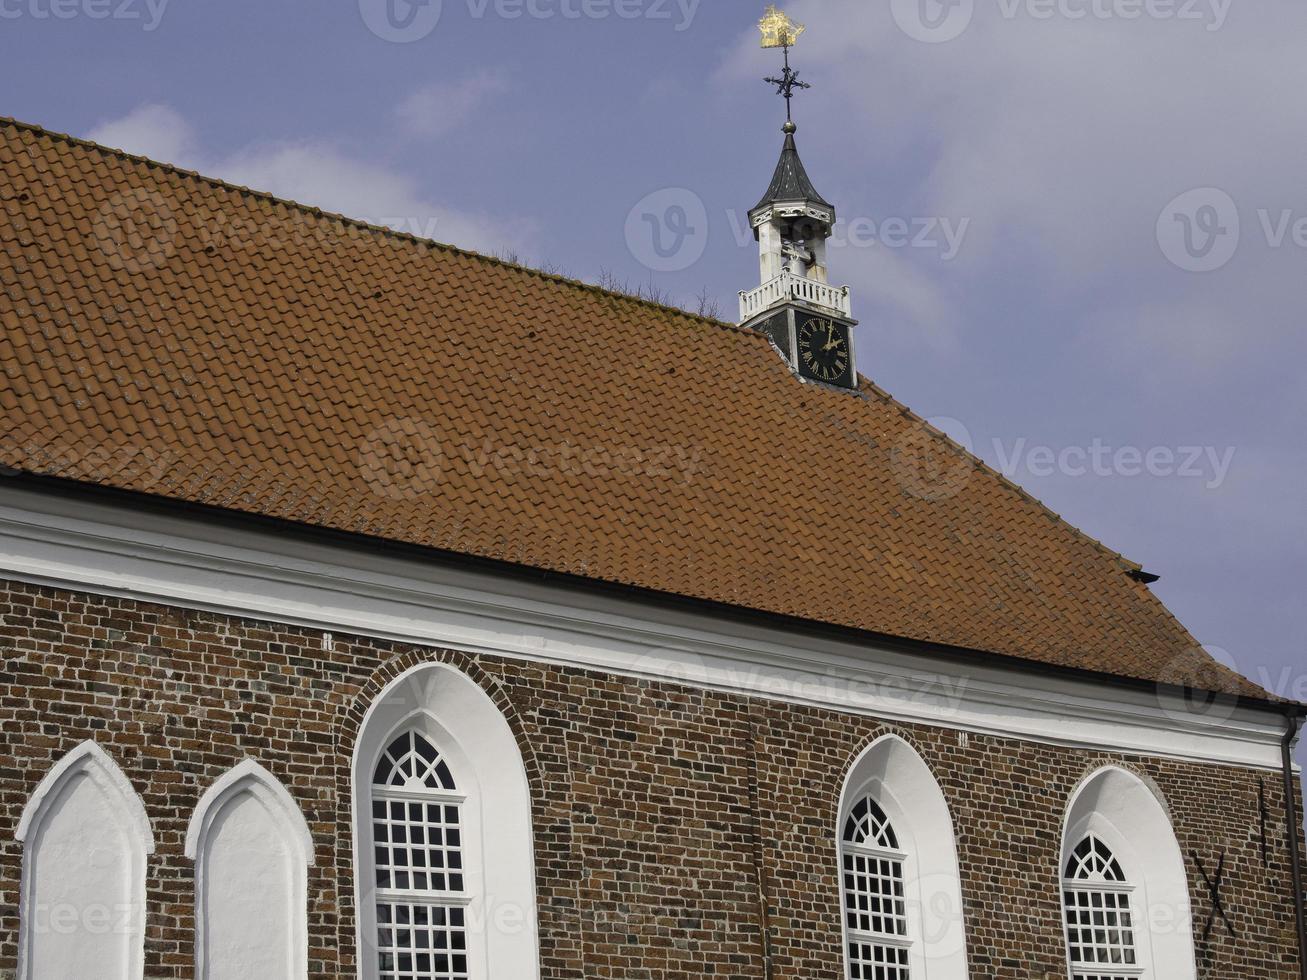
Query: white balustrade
(788, 286)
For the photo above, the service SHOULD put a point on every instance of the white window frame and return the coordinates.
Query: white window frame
(464, 725)
(892, 772)
(1129, 814)
(903, 940)
(1124, 891)
(421, 725)
(472, 896)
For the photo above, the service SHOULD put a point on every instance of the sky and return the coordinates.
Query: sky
(1075, 230)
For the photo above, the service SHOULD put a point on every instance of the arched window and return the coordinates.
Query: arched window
(85, 838)
(875, 907)
(252, 850)
(1125, 892)
(901, 894)
(445, 879)
(417, 840)
(1100, 920)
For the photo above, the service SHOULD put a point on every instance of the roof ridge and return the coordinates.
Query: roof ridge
(381, 230)
(391, 233)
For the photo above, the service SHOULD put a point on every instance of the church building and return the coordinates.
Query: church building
(374, 609)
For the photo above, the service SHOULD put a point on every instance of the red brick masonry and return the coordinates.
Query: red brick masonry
(654, 805)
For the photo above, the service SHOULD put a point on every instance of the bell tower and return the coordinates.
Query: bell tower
(809, 321)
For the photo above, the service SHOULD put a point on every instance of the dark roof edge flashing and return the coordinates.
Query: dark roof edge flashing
(962, 656)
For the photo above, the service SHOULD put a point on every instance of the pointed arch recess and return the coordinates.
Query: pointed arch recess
(252, 849)
(86, 838)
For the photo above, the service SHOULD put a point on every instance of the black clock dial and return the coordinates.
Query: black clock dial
(824, 349)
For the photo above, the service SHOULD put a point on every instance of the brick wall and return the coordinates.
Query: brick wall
(655, 806)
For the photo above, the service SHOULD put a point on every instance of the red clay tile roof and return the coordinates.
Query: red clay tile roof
(170, 334)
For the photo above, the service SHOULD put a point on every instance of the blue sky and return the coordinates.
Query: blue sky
(1076, 230)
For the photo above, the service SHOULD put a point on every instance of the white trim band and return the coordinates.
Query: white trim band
(113, 550)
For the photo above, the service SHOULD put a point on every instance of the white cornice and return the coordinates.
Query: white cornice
(114, 550)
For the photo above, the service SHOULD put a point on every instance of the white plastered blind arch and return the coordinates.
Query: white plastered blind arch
(86, 838)
(496, 850)
(252, 850)
(1127, 814)
(891, 773)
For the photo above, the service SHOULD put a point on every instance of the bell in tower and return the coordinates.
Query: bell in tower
(808, 320)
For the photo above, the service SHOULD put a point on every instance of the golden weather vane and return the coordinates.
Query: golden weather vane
(778, 31)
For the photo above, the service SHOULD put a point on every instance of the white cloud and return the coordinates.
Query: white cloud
(319, 174)
(155, 131)
(445, 106)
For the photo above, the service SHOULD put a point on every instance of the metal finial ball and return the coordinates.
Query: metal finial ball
(790, 129)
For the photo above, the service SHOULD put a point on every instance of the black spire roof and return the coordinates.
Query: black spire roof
(790, 182)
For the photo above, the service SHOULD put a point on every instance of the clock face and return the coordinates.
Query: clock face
(824, 350)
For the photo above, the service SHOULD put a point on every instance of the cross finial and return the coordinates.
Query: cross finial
(778, 31)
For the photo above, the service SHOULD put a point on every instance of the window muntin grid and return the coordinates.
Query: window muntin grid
(421, 942)
(873, 961)
(417, 841)
(412, 762)
(875, 905)
(1099, 916)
